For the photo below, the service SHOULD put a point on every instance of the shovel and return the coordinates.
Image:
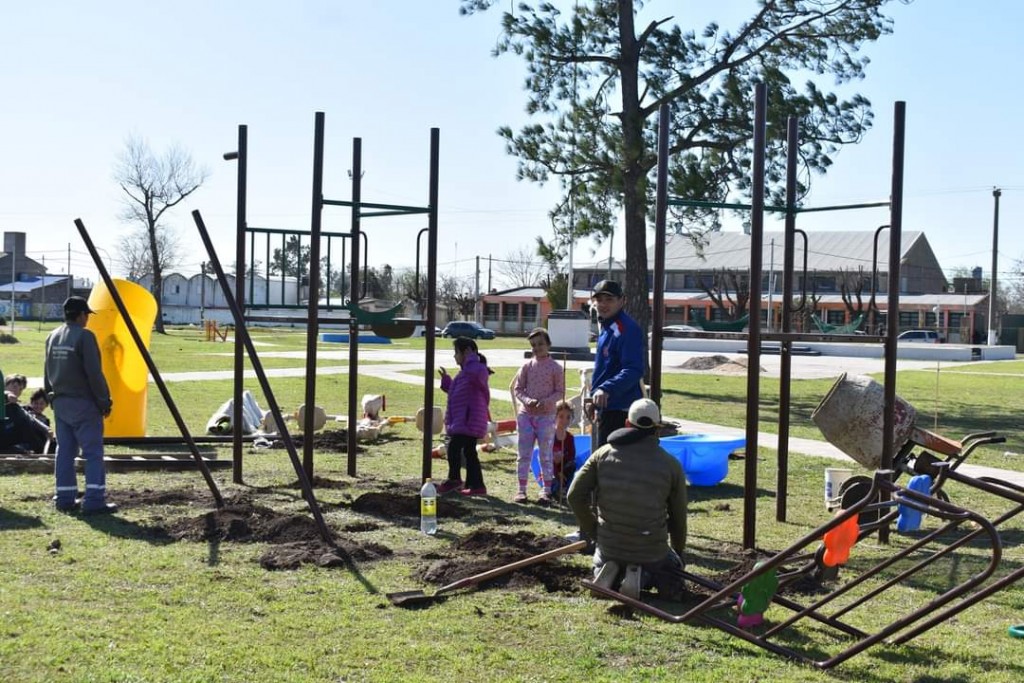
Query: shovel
(406, 598)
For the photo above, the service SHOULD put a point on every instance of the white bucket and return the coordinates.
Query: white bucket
(835, 477)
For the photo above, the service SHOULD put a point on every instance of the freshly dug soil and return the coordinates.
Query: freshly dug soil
(485, 549)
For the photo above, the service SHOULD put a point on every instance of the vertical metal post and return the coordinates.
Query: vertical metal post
(660, 217)
(754, 336)
(786, 350)
(312, 305)
(353, 324)
(993, 291)
(14, 262)
(240, 226)
(892, 327)
(428, 384)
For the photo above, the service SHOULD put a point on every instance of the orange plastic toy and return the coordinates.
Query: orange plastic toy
(840, 541)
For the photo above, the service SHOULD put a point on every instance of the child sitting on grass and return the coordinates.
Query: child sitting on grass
(563, 451)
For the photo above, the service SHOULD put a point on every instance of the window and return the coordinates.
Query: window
(510, 312)
(530, 313)
(491, 311)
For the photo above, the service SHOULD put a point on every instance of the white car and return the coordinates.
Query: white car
(920, 337)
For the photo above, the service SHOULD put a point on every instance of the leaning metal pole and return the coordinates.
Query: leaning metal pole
(268, 392)
(141, 346)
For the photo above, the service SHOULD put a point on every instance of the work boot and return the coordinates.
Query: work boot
(608, 574)
(631, 582)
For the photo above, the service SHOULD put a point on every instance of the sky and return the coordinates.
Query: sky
(80, 78)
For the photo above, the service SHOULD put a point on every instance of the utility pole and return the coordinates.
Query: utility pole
(489, 265)
(771, 283)
(202, 293)
(992, 337)
(476, 293)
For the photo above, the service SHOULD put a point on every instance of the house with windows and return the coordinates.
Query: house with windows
(829, 263)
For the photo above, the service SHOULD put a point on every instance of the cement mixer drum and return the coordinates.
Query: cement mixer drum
(852, 417)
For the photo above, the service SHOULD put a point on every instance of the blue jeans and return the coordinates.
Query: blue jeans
(79, 427)
(664, 575)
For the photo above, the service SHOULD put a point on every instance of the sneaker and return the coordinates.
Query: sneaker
(479, 491)
(544, 500)
(608, 574)
(631, 582)
(519, 497)
(104, 509)
(449, 485)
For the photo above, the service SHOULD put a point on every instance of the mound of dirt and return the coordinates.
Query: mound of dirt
(717, 363)
(705, 362)
(295, 539)
(485, 549)
(407, 505)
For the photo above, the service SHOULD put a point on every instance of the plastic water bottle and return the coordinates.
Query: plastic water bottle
(428, 508)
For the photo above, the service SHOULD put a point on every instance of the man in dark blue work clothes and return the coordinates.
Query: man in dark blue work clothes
(73, 379)
(619, 362)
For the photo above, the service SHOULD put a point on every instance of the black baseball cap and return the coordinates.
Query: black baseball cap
(610, 287)
(76, 304)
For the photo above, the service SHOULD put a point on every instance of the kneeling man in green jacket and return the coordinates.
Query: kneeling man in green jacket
(630, 498)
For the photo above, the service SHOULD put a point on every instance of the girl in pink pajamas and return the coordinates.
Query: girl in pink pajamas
(539, 387)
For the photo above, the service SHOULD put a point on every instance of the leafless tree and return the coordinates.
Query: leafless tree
(456, 295)
(153, 185)
(521, 268)
(729, 290)
(851, 288)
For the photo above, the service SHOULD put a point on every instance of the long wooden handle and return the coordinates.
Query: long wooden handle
(511, 567)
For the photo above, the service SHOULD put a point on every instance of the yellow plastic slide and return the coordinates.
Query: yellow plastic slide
(123, 365)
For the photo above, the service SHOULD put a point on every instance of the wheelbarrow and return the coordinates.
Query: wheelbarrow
(418, 597)
(851, 416)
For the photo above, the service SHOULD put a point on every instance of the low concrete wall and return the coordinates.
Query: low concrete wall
(945, 353)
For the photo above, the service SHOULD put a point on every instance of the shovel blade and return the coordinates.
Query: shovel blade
(408, 597)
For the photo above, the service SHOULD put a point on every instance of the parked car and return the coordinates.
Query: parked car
(467, 328)
(920, 337)
(669, 329)
(437, 332)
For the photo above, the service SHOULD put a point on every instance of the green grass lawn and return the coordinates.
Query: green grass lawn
(120, 600)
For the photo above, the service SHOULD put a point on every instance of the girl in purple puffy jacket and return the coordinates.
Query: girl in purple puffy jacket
(466, 417)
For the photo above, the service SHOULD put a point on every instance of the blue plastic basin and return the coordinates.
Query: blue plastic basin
(582, 443)
(342, 338)
(704, 457)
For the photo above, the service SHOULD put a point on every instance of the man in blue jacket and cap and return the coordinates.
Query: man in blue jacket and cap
(619, 362)
(73, 379)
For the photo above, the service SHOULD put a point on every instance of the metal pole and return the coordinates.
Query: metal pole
(660, 215)
(150, 363)
(892, 326)
(14, 259)
(242, 156)
(786, 347)
(312, 305)
(993, 337)
(353, 324)
(428, 383)
(754, 336)
(261, 376)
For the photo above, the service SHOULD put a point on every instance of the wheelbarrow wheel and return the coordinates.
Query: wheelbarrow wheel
(853, 491)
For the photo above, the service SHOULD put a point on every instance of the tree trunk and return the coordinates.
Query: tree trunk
(158, 278)
(634, 178)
